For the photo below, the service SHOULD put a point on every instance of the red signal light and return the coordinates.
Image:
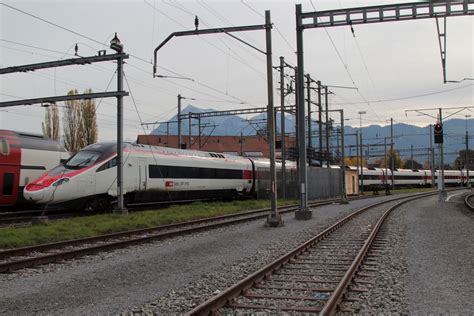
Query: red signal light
(438, 133)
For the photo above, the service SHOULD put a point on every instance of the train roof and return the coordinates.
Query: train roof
(35, 141)
(162, 150)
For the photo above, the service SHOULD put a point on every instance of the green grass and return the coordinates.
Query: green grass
(412, 190)
(81, 227)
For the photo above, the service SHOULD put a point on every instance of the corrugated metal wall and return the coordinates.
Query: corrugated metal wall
(323, 183)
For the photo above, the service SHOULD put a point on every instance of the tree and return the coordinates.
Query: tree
(460, 160)
(397, 161)
(427, 165)
(72, 124)
(80, 125)
(412, 164)
(352, 161)
(50, 125)
(89, 120)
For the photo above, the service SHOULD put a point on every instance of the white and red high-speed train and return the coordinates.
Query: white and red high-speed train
(151, 174)
(24, 157)
(160, 174)
(379, 177)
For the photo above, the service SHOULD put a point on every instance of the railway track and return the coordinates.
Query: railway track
(469, 201)
(25, 218)
(27, 257)
(24, 221)
(316, 276)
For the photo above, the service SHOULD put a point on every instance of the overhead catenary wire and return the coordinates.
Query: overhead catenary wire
(141, 83)
(35, 47)
(410, 97)
(236, 57)
(293, 49)
(222, 18)
(96, 41)
(346, 68)
(103, 44)
(146, 135)
(154, 88)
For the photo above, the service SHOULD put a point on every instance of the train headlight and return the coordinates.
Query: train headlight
(60, 181)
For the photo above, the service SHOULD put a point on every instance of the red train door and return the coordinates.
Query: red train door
(9, 167)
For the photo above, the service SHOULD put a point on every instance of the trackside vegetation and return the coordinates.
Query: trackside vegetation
(412, 190)
(88, 226)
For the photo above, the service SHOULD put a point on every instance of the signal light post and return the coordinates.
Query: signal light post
(438, 133)
(274, 219)
(438, 138)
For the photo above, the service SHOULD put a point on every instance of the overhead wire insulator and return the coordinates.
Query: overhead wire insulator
(352, 29)
(196, 22)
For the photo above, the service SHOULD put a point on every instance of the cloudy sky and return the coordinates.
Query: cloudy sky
(396, 66)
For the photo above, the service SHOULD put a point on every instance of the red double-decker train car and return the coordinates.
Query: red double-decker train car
(23, 158)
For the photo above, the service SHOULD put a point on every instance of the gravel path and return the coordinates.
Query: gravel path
(162, 277)
(440, 255)
(387, 293)
(428, 268)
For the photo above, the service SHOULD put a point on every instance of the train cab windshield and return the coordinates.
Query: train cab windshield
(83, 159)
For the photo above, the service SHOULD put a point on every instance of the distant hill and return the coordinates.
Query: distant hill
(405, 135)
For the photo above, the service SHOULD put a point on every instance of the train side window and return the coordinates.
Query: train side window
(7, 184)
(109, 164)
(4, 147)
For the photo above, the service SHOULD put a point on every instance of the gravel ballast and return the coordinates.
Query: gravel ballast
(173, 276)
(440, 255)
(128, 279)
(427, 265)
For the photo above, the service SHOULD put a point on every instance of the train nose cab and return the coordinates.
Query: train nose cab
(67, 181)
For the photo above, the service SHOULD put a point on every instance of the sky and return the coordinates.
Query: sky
(395, 66)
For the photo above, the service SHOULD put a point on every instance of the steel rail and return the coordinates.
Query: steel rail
(467, 203)
(338, 293)
(11, 218)
(220, 300)
(75, 242)
(157, 233)
(173, 230)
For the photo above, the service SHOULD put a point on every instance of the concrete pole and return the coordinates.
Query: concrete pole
(241, 144)
(120, 200)
(179, 121)
(357, 155)
(303, 212)
(392, 154)
(274, 219)
(297, 110)
(441, 159)
(308, 95)
(326, 104)
(433, 169)
(190, 128)
(361, 164)
(343, 164)
(466, 161)
(386, 167)
(320, 124)
(282, 127)
(199, 131)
